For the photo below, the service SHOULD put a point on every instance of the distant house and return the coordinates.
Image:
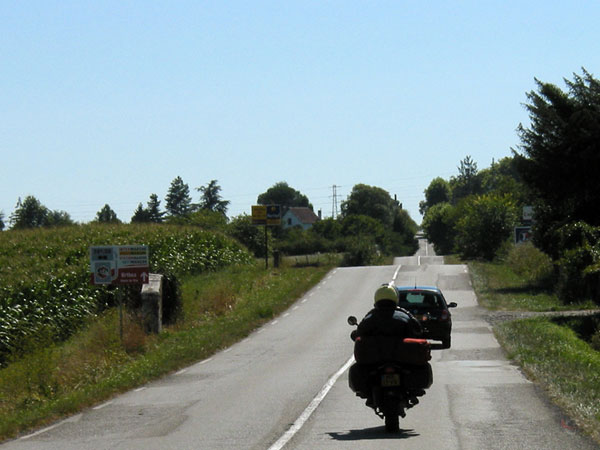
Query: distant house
(299, 216)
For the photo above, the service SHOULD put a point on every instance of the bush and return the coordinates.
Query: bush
(579, 263)
(360, 252)
(529, 262)
(439, 227)
(485, 223)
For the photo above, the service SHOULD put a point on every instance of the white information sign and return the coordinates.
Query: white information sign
(119, 264)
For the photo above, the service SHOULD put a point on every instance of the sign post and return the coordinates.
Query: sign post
(267, 215)
(119, 265)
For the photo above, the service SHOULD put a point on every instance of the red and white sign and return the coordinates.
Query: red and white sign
(132, 275)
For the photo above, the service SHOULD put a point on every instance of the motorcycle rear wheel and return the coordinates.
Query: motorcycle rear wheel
(392, 423)
(391, 417)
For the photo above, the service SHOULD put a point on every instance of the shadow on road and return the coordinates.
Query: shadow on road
(372, 433)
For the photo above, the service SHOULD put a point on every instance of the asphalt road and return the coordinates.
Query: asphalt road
(286, 386)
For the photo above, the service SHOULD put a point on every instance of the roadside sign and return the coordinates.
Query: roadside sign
(259, 215)
(273, 215)
(266, 215)
(119, 264)
(522, 234)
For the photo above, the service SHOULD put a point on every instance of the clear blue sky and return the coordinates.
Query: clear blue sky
(109, 101)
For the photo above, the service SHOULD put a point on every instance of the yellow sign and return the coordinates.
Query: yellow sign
(266, 215)
(259, 215)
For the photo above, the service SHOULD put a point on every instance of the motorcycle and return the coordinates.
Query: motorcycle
(391, 374)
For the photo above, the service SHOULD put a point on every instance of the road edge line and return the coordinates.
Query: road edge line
(313, 405)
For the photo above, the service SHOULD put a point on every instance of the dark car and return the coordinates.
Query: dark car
(429, 306)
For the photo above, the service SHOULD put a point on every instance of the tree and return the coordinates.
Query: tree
(282, 194)
(1, 221)
(155, 215)
(502, 177)
(29, 213)
(485, 223)
(141, 215)
(151, 214)
(467, 182)
(438, 191)
(107, 215)
(251, 236)
(439, 227)
(57, 218)
(370, 201)
(179, 202)
(211, 199)
(559, 157)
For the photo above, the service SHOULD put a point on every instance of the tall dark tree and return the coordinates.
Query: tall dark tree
(467, 182)
(140, 215)
(154, 213)
(58, 219)
(211, 198)
(282, 194)
(107, 215)
(438, 191)
(29, 213)
(559, 155)
(179, 202)
(2, 221)
(370, 201)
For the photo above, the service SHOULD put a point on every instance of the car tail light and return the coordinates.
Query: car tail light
(390, 370)
(445, 315)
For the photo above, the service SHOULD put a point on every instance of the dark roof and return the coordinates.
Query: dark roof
(304, 215)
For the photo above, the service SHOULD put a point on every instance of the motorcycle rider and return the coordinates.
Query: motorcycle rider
(389, 320)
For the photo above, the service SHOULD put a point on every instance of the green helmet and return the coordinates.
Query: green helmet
(386, 292)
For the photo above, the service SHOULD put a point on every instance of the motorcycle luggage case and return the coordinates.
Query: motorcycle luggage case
(418, 376)
(377, 349)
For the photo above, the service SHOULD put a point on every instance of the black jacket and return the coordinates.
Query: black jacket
(386, 321)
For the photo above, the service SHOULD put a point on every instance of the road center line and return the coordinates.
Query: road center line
(396, 274)
(313, 405)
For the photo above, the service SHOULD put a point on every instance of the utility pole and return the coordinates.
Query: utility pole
(334, 207)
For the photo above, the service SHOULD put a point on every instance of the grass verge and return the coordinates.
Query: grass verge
(567, 367)
(500, 288)
(218, 309)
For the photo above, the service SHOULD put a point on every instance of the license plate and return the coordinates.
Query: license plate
(390, 379)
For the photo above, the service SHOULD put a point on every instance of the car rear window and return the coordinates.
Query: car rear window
(424, 299)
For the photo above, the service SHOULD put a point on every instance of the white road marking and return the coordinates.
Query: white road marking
(314, 404)
(103, 405)
(139, 389)
(274, 322)
(286, 314)
(295, 308)
(205, 361)
(396, 274)
(40, 431)
(181, 371)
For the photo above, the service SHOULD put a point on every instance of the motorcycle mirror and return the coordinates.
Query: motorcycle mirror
(352, 320)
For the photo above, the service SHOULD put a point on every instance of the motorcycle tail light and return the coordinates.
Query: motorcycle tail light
(390, 370)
